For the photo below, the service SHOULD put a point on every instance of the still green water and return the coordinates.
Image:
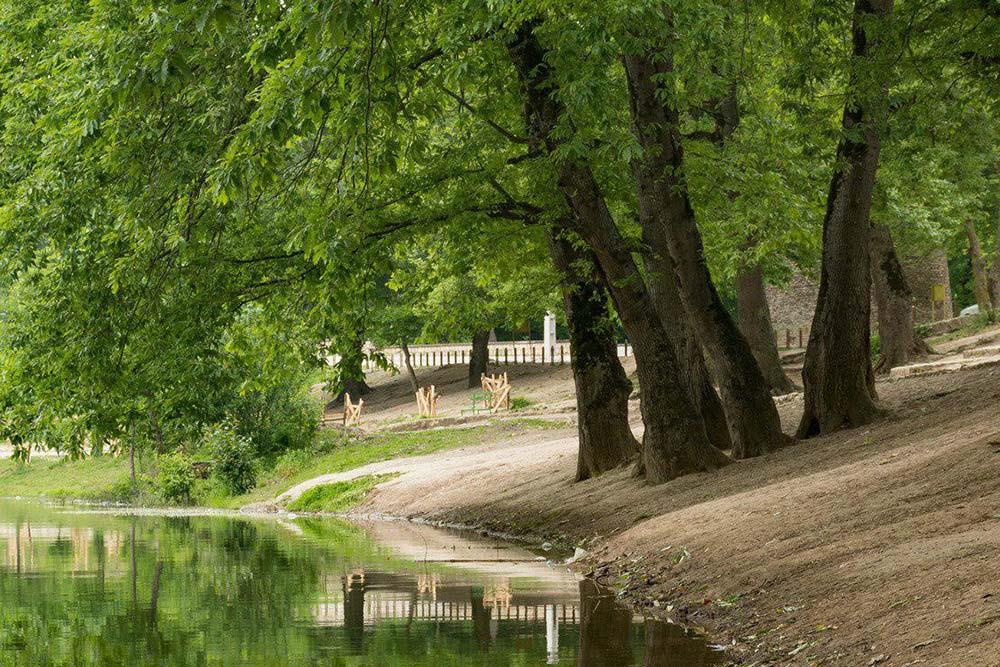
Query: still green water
(81, 586)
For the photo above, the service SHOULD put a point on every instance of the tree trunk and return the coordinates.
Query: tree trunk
(755, 325)
(674, 441)
(131, 456)
(410, 373)
(480, 357)
(602, 388)
(898, 338)
(996, 257)
(352, 372)
(754, 425)
(662, 282)
(980, 278)
(837, 375)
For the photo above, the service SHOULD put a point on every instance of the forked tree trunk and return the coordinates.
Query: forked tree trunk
(755, 325)
(410, 373)
(674, 442)
(663, 290)
(479, 359)
(754, 425)
(602, 388)
(980, 277)
(898, 338)
(837, 375)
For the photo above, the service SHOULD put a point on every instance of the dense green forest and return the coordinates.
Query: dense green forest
(201, 201)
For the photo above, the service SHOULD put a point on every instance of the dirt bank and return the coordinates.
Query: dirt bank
(876, 546)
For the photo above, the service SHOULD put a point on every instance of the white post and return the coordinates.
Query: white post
(550, 335)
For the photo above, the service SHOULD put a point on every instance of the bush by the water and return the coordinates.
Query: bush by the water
(235, 465)
(175, 478)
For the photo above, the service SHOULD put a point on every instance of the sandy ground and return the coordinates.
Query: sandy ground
(875, 546)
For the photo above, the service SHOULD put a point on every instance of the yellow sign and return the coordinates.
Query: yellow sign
(937, 293)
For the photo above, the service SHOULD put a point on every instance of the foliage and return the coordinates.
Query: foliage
(175, 477)
(235, 465)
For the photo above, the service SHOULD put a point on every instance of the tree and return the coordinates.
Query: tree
(838, 379)
(899, 341)
(754, 426)
(674, 441)
(602, 389)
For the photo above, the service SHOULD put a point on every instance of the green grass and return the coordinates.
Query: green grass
(107, 478)
(977, 324)
(339, 496)
(97, 478)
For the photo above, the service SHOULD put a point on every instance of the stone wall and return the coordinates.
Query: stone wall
(792, 306)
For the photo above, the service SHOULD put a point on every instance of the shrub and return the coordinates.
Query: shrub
(175, 478)
(519, 403)
(235, 465)
(277, 419)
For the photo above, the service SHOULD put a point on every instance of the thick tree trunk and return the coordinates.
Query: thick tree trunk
(996, 258)
(662, 283)
(479, 359)
(837, 375)
(980, 277)
(898, 338)
(674, 441)
(410, 373)
(602, 388)
(755, 325)
(754, 425)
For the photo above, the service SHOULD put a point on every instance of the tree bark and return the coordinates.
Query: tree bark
(898, 338)
(663, 291)
(755, 325)
(996, 257)
(480, 357)
(980, 277)
(754, 425)
(410, 373)
(837, 375)
(602, 388)
(674, 441)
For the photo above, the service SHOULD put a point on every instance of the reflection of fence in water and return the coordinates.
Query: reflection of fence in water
(23, 542)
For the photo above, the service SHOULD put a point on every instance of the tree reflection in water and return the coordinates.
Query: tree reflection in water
(606, 636)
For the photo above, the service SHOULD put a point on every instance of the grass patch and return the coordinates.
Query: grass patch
(977, 324)
(95, 478)
(519, 403)
(339, 496)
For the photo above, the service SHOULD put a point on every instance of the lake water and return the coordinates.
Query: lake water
(96, 587)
